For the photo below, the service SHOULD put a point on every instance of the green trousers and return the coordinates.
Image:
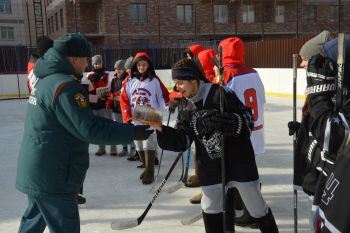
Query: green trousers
(60, 215)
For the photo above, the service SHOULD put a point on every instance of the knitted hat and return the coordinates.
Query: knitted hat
(312, 46)
(128, 62)
(97, 59)
(183, 74)
(43, 43)
(73, 45)
(120, 64)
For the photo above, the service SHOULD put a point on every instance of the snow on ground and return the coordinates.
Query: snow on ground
(114, 191)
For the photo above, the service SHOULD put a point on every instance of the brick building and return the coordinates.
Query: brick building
(147, 22)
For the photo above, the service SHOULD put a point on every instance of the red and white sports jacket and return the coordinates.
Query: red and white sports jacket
(149, 92)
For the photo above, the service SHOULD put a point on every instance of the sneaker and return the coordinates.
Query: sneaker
(123, 153)
(80, 200)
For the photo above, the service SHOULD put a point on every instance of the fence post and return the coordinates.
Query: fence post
(18, 62)
(110, 58)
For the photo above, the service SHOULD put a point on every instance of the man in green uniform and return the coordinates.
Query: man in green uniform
(59, 126)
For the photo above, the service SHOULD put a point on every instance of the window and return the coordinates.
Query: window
(334, 13)
(310, 14)
(248, 14)
(280, 12)
(61, 17)
(138, 13)
(220, 14)
(184, 14)
(7, 33)
(56, 21)
(49, 25)
(5, 6)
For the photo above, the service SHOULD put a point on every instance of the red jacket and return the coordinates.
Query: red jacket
(195, 49)
(205, 58)
(233, 58)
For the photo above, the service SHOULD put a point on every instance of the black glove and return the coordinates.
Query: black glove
(320, 77)
(210, 121)
(142, 132)
(173, 105)
(293, 127)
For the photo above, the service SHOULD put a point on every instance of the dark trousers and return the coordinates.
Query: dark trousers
(61, 215)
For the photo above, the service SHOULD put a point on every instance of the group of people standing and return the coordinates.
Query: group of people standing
(322, 130)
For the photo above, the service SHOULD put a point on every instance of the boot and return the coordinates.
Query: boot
(213, 223)
(123, 153)
(133, 155)
(113, 151)
(148, 176)
(267, 224)
(101, 150)
(193, 181)
(141, 155)
(196, 199)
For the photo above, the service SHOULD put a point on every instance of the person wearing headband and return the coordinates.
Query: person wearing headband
(205, 124)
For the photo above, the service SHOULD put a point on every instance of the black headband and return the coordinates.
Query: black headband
(183, 74)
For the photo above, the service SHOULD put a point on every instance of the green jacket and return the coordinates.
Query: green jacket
(59, 126)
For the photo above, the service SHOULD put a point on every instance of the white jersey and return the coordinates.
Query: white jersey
(146, 93)
(250, 90)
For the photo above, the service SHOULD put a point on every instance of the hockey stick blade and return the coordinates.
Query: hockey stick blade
(175, 187)
(191, 219)
(134, 223)
(124, 225)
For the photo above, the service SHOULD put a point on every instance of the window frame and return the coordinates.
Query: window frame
(248, 11)
(6, 6)
(8, 30)
(279, 16)
(184, 11)
(139, 20)
(307, 18)
(217, 20)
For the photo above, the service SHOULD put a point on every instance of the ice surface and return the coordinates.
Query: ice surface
(114, 191)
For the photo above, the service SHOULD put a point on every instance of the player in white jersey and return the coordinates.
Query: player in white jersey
(144, 88)
(247, 85)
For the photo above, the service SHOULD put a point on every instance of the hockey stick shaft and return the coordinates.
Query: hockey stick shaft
(181, 183)
(161, 157)
(138, 221)
(189, 150)
(295, 192)
(223, 172)
(340, 74)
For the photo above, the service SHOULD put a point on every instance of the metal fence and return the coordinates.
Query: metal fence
(273, 53)
(269, 53)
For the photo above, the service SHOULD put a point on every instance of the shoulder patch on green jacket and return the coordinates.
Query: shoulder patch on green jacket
(81, 100)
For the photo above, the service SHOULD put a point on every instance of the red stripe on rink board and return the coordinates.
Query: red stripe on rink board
(258, 127)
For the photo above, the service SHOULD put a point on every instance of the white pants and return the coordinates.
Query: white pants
(148, 144)
(250, 192)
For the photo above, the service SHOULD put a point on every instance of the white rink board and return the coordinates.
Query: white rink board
(276, 81)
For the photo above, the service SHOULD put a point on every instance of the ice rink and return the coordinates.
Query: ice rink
(114, 191)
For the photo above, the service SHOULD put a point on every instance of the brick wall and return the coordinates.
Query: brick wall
(99, 21)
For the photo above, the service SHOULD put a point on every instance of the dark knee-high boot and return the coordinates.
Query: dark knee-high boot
(148, 176)
(213, 223)
(267, 224)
